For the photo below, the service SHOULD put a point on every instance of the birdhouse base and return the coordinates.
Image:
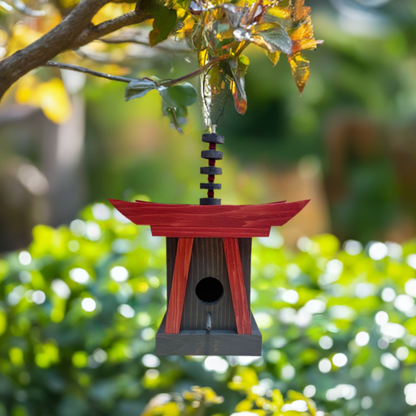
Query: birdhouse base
(214, 342)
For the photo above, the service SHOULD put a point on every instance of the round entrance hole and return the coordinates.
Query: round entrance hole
(209, 290)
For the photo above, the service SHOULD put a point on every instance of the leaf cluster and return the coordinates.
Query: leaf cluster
(220, 32)
(175, 98)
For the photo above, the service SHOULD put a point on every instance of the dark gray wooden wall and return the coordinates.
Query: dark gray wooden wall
(208, 260)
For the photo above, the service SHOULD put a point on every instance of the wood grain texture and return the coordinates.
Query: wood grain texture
(215, 342)
(238, 290)
(179, 283)
(208, 260)
(201, 232)
(171, 248)
(230, 221)
(244, 244)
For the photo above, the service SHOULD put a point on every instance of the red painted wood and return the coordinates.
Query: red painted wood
(201, 232)
(238, 290)
(241, 220)
(178, 289)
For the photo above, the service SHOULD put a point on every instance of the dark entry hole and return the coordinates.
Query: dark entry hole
(209, 290)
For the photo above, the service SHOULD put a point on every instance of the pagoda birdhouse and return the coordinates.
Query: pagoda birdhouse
(208, 258)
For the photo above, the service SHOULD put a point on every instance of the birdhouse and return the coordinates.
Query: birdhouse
(208, 259)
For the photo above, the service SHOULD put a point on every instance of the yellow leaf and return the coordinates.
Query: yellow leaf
(155, 408)
(302, 38)
(300, 11)
(259, 412)
(277, 398)
(280, 12)
(54, 100)
(50, 96)
(244, 406)
(22, 36)
(294, 395)
(25, 87)
(261, 403)
(300, 70)
(111, 11)
(209, 394)
(245, 379)
(274, 57)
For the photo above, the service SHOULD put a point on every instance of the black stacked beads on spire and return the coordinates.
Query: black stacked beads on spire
(212, 154)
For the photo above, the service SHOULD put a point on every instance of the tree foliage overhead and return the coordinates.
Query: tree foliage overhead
(222, 31)
(216, 32)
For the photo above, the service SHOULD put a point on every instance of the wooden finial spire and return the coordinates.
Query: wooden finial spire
(212, 154)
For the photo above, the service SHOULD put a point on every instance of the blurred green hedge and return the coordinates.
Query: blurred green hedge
(79, 311)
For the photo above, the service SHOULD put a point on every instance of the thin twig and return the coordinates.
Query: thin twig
(215, 61)
(164, 83)
(135, 40)
(77, 68)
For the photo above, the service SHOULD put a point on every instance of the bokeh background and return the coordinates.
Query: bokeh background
(82, 291)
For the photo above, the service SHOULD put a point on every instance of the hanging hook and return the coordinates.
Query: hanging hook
(208, 327)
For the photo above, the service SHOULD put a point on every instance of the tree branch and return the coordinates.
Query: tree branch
(162, 83)
(74, 31)
(76, 68)
(49, 45)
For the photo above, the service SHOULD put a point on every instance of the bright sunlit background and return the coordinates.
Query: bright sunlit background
(333, 291)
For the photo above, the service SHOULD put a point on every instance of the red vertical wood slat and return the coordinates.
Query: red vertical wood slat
(178, 288)
(238, 289)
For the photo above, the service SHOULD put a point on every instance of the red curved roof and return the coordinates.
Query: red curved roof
(234, 221)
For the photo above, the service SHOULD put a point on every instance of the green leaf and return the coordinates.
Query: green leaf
(169, 101)
(171, 108)
(163, 23)
(238, 70)
(184, 94)
(139, 88)
(273, 37)
(175, 114)
(220, 82)
(243, 61)
(234, 13)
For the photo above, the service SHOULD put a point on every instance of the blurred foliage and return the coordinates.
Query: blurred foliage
(80, 307)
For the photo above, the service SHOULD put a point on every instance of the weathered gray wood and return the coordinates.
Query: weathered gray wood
(202, 342)
(171, 247)
(210, 185)
(208, 260)
(210, 201)
(211, 154)
(213, 138)
(210, 170)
